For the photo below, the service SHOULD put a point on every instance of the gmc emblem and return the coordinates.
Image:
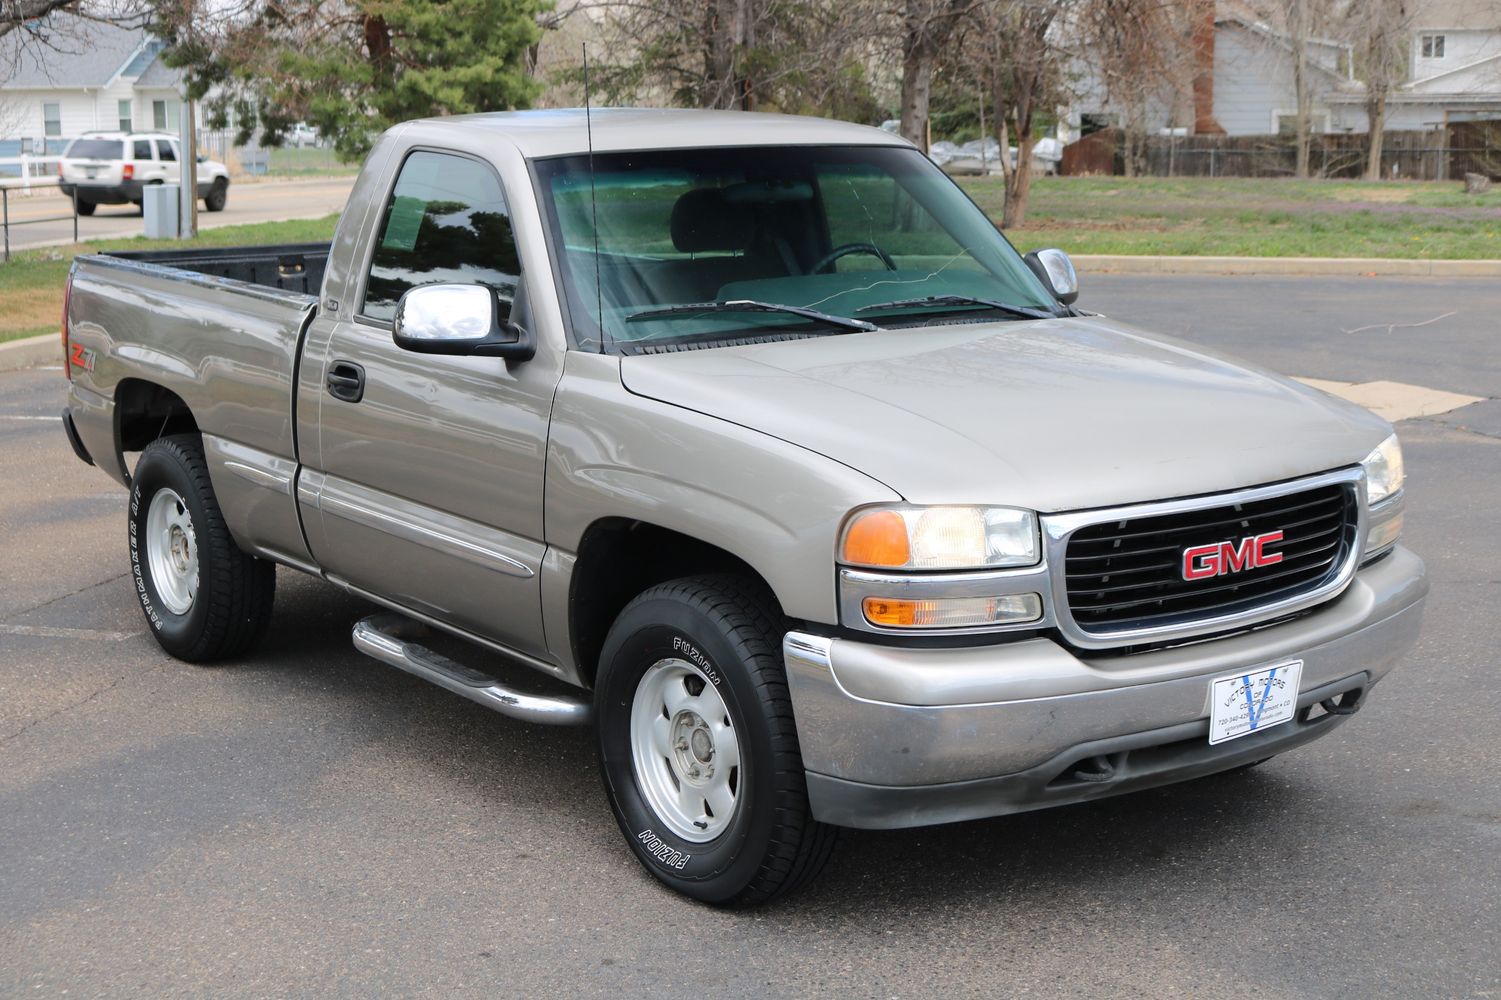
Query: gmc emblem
(1204, 561)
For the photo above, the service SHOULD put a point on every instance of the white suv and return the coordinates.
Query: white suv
(112, 168)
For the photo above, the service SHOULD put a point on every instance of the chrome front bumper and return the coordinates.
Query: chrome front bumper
(895, 737)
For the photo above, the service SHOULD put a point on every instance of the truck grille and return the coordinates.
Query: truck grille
(1124, 575)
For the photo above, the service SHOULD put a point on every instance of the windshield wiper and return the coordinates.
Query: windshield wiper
(751, 305)
(962, 300)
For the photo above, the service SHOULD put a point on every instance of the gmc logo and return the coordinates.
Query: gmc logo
(1204, 561)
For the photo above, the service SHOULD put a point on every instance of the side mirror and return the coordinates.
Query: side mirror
(458, 319)
(1056, 272)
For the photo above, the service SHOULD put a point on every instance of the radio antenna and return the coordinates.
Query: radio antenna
(599, 292)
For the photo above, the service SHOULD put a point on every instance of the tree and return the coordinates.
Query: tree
(927, 26)
(785, 55)
(351, 67)
(1141, 52)
(1378, 31)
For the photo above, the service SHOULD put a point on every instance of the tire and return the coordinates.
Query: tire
(86, 207)
(217, 195)
(713, 645)
(203, 598)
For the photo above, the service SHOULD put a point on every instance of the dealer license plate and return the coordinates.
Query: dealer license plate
(1250, 702)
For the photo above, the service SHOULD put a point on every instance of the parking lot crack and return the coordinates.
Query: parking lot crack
(80, 703)
(53, 600)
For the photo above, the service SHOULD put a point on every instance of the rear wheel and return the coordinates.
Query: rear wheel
(217, 195)
(86, 208)
(203, 597)
(698, 747)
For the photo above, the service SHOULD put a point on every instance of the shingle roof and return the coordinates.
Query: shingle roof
(78, 53)
(159, 74)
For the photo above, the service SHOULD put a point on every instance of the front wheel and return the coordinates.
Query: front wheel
(698, 746)
(217, 195)
(203, 597)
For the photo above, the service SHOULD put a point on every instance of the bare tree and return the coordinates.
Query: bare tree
(1378, 31)
(1141, 53)
(927, 27)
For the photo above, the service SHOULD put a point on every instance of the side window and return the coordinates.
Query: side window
(141, 149)
(446, 222)
(166, 151)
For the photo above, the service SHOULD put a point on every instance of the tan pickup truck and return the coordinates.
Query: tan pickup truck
(824, 506)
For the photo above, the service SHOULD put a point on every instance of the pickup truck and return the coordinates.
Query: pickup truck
(755, 440)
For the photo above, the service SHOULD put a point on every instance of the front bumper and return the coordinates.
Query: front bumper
(896, 737)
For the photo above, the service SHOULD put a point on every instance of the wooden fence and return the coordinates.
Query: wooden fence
(1435, 155)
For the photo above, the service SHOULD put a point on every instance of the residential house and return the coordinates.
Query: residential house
(88, 75)
(1455, 75)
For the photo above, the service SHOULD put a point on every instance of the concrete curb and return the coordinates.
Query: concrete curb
(46, 349)
(1374, 267)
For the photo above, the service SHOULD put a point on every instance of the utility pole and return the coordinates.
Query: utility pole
(187, 213)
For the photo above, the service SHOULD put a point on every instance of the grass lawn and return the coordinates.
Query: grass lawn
(1244, 217)
(31, 283)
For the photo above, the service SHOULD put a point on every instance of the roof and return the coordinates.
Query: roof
(78, 53)
(565, 131)
(159, 74)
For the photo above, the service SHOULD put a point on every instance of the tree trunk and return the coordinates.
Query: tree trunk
(1300, 32)
(1375, 111)
(1019, 187)
(917, 88)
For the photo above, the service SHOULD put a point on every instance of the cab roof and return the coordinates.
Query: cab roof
(562, 132)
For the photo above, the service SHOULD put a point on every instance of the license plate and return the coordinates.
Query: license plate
(90, 173)
(1250, 702)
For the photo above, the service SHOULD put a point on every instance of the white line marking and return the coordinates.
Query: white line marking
(20, 416)
(50, 632)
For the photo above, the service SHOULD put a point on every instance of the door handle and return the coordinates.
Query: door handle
(346, 381)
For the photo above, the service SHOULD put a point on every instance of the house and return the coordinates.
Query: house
(1455, 70)
(1244, 78)
(89, 75)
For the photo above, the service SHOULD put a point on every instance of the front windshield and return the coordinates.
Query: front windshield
(843, 230)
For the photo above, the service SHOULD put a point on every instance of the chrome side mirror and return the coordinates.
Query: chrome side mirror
(458, 319)
(1056, 272)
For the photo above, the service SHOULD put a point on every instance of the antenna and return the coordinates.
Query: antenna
(599, 288)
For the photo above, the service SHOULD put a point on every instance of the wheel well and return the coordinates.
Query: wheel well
(618, 559)
(145, 411)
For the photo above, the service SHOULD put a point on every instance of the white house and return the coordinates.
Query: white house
(91, 75)
(1455, 73)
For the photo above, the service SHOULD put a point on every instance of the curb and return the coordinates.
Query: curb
(1370, 267)
(45, 349)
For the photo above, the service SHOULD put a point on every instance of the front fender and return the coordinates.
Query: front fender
(773, 504)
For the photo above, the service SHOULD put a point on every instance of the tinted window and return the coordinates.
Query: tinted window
(166, 150)
(97, 149)
(446, 222)
(142, 149)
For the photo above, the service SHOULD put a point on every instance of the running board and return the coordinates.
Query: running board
(387, 637)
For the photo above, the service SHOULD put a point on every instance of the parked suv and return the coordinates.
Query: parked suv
(112, 168)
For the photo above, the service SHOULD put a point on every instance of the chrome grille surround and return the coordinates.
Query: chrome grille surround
(1058, 529)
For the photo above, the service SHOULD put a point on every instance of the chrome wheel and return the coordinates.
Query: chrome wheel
(684, 750)
(172, 551)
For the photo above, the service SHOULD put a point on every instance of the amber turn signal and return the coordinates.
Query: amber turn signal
(877, 538)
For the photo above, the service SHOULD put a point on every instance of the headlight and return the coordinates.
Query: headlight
(1383, 471)
(940, 538)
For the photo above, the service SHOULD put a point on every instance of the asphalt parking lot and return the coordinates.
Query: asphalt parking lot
(311, 823)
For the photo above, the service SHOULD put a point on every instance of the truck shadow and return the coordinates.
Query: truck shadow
(1215, 828)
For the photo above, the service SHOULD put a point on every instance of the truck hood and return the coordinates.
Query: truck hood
(1052, 415)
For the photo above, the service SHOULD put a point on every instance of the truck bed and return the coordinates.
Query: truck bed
(289, 267)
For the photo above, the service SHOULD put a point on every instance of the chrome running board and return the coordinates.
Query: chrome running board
(387, 637)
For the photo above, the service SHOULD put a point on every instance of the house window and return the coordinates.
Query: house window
(164, 115)
(52, 119)
(1433, 46)
(125, 122)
